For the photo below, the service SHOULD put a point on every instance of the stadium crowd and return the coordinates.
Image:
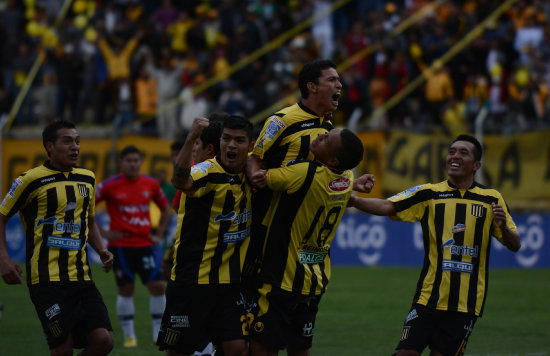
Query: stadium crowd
(129, 62)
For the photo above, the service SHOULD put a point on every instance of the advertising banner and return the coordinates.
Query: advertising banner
(369, 240)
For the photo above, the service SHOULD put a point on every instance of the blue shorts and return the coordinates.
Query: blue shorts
(129, 261)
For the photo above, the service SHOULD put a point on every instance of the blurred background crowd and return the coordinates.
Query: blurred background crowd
(139, 64)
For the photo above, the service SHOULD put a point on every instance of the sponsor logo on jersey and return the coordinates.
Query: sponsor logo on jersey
(179, 321)
(309, 258)
(275, 125)
(243, 217)
(445, 195)
(260, 143)
(307, 124)
(458, 228)
(460, 250)
(69, 227)
(202, 167)
(227, 217)
(478, 210)
(50, 220)
(70, 206)
(65, 243)
(310, 254)
(46, 180)
(236, 236)
(82, 190)
(339, 184)
(52, 311)
(336, 197)
(458, 266)
(407, 193)
(16, 183)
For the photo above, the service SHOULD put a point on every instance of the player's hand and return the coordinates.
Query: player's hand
(107, 260)
(155, 239)
(364, 184)
(259, 178)
(199, 124)
(11, 272)
(499, 216)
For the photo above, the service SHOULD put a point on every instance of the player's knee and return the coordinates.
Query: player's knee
(62, 350)
(102, 341)
(405, 352)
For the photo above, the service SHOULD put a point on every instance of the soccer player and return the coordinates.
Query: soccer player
(128, 196)
(458, 217)
(203, 296)
(56, 204)
(206, 147)
(295, 269)
(286, 137)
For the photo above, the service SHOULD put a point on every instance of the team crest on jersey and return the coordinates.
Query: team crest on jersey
(478, 210)
(275, 125)
(339, 184)
(82, 190)
(202, 167)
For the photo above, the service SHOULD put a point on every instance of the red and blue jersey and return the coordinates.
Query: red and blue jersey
(128, 204)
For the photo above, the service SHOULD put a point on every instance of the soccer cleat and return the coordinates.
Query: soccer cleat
(130, 342)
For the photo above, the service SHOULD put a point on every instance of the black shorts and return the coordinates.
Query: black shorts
(197, 313)
(444, 331)
(284, 319)
(129, 261)
(75, 309)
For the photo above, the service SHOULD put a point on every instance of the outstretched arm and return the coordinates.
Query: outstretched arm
(364, 184)
(182, 166)
(510, 238)
(373, 206)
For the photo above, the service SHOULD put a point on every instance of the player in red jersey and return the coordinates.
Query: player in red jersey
(128, 196)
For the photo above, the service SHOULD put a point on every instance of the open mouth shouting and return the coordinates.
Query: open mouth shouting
(335, 98)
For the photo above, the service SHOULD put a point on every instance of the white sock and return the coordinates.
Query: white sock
(156, 308)
(125, 311)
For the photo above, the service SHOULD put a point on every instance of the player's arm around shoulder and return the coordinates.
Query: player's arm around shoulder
(288, 178)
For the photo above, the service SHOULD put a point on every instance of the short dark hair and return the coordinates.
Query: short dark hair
(478, 150)
(50, 131)
(311, 72)
(351, 152)
(129, 149)
(238, 122)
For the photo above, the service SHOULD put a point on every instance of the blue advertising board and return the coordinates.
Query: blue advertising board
(369, 240)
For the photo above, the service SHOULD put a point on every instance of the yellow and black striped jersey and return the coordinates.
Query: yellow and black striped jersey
(286, 135)
(54, 207)
(457, 225)
(213, 226)
(313, 200)
(284, 139)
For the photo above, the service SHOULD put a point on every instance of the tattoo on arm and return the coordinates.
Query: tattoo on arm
(181, 172)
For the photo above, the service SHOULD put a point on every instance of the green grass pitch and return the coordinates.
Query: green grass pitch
(361, 314)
